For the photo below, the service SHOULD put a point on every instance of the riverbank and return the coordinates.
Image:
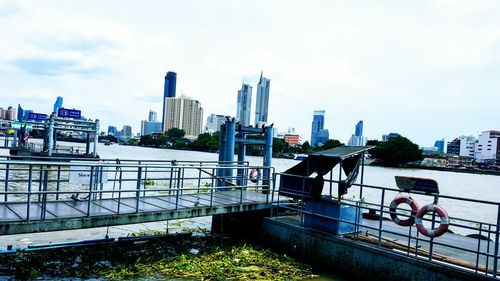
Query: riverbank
(442, 169)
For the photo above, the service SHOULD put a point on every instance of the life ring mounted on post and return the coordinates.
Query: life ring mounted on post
(435, 232)
(393, 210)
(254, 175)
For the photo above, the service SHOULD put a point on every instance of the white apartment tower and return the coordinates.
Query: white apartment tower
(184, 113)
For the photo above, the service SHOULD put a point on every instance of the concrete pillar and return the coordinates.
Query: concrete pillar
(229, 150)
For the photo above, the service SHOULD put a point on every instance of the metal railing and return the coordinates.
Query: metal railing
(471, 244)
(37, 184)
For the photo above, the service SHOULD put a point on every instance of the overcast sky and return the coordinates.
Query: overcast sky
(425, 69)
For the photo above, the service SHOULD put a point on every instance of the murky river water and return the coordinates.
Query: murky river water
(485, 187)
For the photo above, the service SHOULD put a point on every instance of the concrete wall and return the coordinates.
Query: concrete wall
(362, 262)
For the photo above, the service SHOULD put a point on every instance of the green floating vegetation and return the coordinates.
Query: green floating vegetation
(236, 263)
(148, 182)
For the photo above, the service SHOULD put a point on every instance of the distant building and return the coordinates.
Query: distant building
(357, 139)
(214, 122)
(58, 104)
(453, 147)
(319, 135)
(262, 104)
(244, 104)
(439, 145)
(168, 92)
(358, 132)
(184, 113)
(151, 125)
(8, 114)
(467, 146)
(293, 139)
(112, 130)
(488, 148)
(390, 135)
(126, 132)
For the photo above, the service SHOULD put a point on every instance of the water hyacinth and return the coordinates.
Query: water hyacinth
(235, 263)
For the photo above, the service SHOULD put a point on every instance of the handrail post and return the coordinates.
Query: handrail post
(7, 167)
(138, 188)
(91, 183)
(177, 189)
(58, 181)
(212, 187)
(497, 234)
(379, 243)
(43, 210)
(30, 181)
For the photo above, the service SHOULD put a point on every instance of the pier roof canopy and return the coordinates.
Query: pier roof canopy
(297, 182)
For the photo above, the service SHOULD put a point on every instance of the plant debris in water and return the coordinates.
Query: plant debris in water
(162, 257)
(233, 263)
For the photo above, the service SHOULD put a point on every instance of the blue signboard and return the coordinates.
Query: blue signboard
(37, 116)
(69, 113)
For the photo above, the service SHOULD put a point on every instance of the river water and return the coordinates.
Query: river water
(484, 187)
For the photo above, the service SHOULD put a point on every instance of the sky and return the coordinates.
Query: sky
(425, 69)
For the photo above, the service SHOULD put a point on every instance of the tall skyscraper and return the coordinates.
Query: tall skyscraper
(168, 92)
(359, 129)
(58, 104)
(152, 116)
(184, 113)
(261, 107)
(318, 134)
(244, 104)
(357, 139)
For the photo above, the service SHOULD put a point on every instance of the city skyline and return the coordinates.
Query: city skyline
(410, 68)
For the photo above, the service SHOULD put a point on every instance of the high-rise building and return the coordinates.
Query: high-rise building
(168, 92)
(152, 116)
(319, 135)
(357, 139)
(151, 125)
(359, 129)
(213, 123)
(184, 113)
(58, 104)
(439, 145)
(244, 104)
(262, 105)
(126, 132)
(112, 130)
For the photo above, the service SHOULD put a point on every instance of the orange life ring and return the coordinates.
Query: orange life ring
(254, 175)
(394, 205)
(435, 232)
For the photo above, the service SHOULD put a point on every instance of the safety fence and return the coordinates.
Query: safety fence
(438, 228)
(32, 190)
